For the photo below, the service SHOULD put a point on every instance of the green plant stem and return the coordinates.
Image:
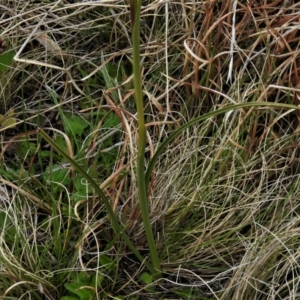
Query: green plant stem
(142, 187)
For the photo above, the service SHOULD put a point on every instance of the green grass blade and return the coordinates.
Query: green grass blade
(135, 7)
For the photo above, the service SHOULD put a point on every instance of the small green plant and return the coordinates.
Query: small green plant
(148, 280)
(84, 286)
(81, 286)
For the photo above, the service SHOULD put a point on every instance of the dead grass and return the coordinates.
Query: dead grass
(224, 195)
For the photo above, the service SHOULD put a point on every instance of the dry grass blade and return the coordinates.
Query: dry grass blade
(224, 194)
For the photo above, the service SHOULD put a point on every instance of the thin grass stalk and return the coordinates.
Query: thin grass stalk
(135, 9)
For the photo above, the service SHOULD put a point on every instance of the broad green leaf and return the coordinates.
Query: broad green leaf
(146, 278)
(6, 60)
(25, 147)
(76, 125)
(84, 278)
(58, 174)
(60, 141)
(106, 262)
(79, 290)
(82, 188)
(111, 121)
(81, 278)
(97, 280)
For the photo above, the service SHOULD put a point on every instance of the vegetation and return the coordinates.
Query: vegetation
(149, 150)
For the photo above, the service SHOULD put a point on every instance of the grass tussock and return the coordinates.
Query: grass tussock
(223, 196)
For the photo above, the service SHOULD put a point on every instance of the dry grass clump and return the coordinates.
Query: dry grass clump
(224, 194)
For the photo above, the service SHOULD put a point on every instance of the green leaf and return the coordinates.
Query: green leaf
(58, 174)
(84, 278)
(75, 125)
(97, 280)
(6, 60)
(82, 188)
(60, 141)
(146, 278)
(111, 121)
(81, 277)
(79, 290)
(106, 262)
(25, 147)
